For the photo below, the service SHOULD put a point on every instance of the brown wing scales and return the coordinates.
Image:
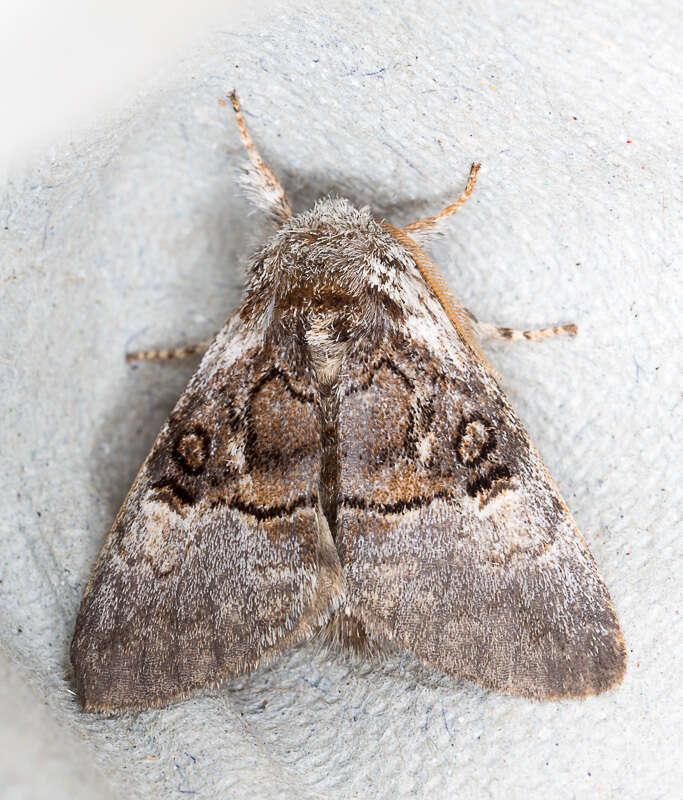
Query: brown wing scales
(454, 541)
(218, 557)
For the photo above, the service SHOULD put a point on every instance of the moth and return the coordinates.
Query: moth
(344, 464)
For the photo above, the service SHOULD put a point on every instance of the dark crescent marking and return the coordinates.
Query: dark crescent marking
(267, 512)
(275, 372)
(393, 508)
(170, 492)
(484, 482)
(373, 369)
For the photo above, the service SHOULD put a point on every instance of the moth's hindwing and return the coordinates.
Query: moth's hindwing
(453, 538)
(219, 556)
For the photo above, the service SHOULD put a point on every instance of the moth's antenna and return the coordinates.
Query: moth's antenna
(453, 208)
(261, 182)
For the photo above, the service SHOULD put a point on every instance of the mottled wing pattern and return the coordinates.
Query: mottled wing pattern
(219, 556)
(453, 538)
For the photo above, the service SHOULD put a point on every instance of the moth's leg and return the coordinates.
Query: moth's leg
(167, 354)
(261, 181)
(486, 329)
(453, 208)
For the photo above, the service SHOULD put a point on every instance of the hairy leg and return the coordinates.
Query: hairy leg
(166, 354)
(486, 329)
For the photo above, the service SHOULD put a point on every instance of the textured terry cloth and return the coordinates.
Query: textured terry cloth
(135, 235)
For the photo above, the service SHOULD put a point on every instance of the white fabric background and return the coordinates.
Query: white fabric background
(134, 235)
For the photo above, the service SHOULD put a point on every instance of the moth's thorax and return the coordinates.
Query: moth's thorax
(330, 276)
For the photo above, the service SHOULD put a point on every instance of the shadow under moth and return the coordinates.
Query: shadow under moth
(343, 464)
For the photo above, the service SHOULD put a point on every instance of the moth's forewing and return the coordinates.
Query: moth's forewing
(218, 558)
(455, 541)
